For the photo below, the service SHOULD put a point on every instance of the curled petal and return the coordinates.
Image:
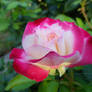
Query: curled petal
(86, 54)
(16, 53)
(27, 69)
(53, 59)
(37, 51)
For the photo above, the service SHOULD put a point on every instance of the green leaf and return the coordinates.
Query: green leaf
(50, 77)
(23, 4)
(21, 87)
(12, 5)
(64, 18)
(78, 68)
(71, 5)
(19, 83)
(64, 89)
(90, 32)
(48, 86)
(80, 23)
(60, 0)
(87, 72)
(36, 10)
(33, 15)
(4, 23)
(88, 87)
(16, 26)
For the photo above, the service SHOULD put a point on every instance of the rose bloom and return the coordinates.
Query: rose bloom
(50, 44)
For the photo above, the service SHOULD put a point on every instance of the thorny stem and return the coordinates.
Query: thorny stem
(83, 4)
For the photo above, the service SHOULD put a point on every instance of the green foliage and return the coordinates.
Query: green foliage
(50, 77)
(4, 21)
(71, 5)
(87, 71)
(80, 23)
(90, 32)
(64, 89)
(89, 9)
(3, 25)
(88, 88)
(12, 5)
(78, 68)
(19, 83)
(48, 86)
(15, 4)
(65, 18)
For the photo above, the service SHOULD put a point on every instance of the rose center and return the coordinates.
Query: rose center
(51, 36)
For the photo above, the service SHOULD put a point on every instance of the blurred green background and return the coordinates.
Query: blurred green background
(14, 15)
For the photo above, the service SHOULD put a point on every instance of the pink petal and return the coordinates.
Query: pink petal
(50, 59)
(84, 33)
(45, 20)
(31, 71)
(87, 53)
(31, 25)
(37, 51)
(16, 53)
(29, 36)
(66, 43)
(29, 29)
(78, 33)
(53, 59)
(22, 66)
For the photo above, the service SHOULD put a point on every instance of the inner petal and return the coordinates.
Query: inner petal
(65, 43)
(52, 37)
(47, 33)
(55, 38)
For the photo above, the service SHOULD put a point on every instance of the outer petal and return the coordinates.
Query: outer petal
(79, 34)
(29, 30)
(16, 53)
(84, 33)
(87, 53)
(31, 71)
(22, 66)
(45, 20)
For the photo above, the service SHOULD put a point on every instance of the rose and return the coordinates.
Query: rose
(50, 44)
